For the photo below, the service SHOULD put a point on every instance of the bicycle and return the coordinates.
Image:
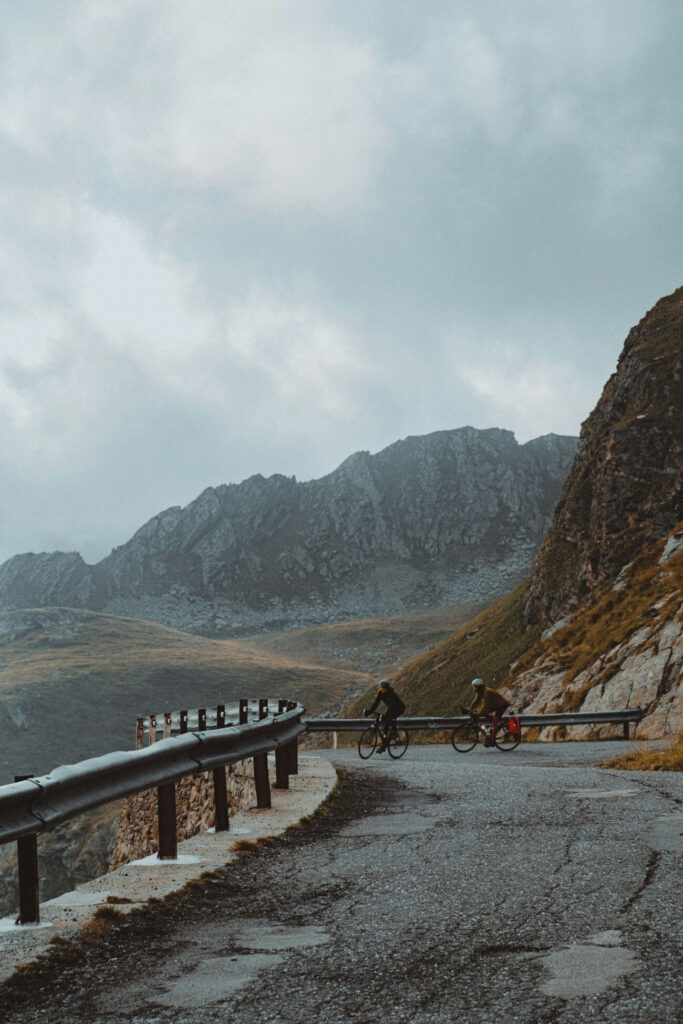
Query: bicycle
(466, 736)
(396, 742)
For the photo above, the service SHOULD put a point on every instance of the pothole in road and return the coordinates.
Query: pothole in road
(212, 981)
(202, 978)
(389, 825)
(667, 833)
(264, 935)
(588, 968)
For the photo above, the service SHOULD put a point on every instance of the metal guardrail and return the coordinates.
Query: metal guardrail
(620, 717)
(34, 805)
(151, 728)
(39, 804)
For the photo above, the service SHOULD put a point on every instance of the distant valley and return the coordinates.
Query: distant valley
(72, 682)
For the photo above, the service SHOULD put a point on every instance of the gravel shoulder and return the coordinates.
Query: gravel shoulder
(529, 887)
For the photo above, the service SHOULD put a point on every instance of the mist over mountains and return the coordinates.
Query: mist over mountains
(445, 518)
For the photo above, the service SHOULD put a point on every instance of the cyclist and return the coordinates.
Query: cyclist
(490, 703)
(394, 705)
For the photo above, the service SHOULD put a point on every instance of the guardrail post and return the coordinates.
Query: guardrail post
(168, 838)
(293, 747)
(626, 730)
(139, 733)
(201, 719)
(29, 899)
(152, 729)
(27, 859)
(282, 757)
(221, 804)
(183, 722)
(221, 807)
(261, 780)
(244, 712)
(168, 724)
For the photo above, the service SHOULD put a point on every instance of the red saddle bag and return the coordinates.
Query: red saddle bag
(514, 726)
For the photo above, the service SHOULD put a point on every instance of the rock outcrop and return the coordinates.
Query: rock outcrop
(447, 518)
(624, 488)
(623, 648)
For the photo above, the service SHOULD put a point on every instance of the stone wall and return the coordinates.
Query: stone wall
(137, 834)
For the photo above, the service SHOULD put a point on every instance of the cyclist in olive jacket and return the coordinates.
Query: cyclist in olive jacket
(488, 702)
(394, 705)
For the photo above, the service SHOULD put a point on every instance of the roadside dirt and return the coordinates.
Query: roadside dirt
(65, 985)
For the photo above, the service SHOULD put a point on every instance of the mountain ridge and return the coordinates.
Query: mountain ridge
(431, 520)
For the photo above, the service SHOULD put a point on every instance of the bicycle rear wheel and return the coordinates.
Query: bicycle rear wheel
(367, 742)
(398, 743)
(464, 737)
(506, 740)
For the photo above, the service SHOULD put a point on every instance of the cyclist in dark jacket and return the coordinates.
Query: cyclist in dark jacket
(488, 702)
(394, 707)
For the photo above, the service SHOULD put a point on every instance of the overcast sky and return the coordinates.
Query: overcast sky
(255, 236)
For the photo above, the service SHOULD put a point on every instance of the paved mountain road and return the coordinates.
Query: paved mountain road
(522, 888)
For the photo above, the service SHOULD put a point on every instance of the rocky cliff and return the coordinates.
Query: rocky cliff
(599, 621)
(624, 488)
(446, 518)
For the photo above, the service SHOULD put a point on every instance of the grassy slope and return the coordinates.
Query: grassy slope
(77, 691)
(497, 646)
(378, 646)
(439, 682)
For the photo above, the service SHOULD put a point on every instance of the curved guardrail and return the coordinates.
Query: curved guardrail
(41, 803)
(35, 805)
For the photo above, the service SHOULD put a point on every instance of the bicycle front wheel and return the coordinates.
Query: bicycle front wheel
(398, 743)
(465, 737)
(506, 740)
(367, 742)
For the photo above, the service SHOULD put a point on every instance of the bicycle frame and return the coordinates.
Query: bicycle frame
(394, 740)
(482, 729)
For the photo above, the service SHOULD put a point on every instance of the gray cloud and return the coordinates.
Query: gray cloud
(245, 238)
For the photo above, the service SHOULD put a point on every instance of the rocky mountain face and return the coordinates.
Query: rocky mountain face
(599, 621)
(610, 570)
(446, 518)
(624, 488)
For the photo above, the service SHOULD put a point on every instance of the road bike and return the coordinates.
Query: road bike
(374, 736)
(478, 730)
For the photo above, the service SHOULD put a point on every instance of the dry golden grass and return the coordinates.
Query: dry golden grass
(646, 759)
(246, 848)
(498, 646)
(80, 679)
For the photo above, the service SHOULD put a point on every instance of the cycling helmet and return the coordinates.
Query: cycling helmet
(477, 683)
(383, 684)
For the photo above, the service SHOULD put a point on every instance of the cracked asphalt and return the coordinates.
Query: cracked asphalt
(523, 888)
